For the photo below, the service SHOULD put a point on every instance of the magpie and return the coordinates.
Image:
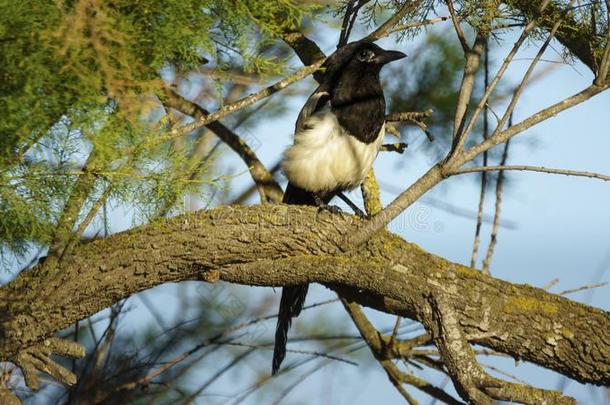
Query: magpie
(337, 136)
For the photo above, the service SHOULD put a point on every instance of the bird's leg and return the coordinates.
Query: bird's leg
(353, 206)
(322, 206)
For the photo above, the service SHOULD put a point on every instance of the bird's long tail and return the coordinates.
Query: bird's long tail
(293, 297)
(291, 304)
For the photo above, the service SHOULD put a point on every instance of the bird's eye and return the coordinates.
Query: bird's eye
(365, 55)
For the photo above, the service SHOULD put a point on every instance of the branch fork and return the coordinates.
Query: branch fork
(470, 380)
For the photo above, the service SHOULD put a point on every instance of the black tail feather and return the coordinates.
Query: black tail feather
(291, 304)
(293, 297)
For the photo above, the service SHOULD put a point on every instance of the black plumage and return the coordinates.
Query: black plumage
(350, 96)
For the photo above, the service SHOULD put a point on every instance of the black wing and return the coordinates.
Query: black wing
(314, 103)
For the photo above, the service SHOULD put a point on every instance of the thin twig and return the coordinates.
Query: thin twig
(532, 120)
(584, 287)
(448, 207)
(528, 168)
(344, 34)
(498, 207)
(550, 284)
(385, 28)
(279, 400)
(477, 233)
(307, 352)
(244, 102)
(217, 375)
(351, 14)
(403, 27)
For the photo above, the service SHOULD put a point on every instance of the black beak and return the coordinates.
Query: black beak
(389, 56)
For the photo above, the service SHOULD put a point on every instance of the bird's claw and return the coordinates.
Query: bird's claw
(362, 215)
(333, 209)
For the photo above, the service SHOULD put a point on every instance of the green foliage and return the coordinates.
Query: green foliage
(81, 76)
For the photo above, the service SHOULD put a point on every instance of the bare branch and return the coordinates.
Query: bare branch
(526, 77)
(409, 116)
(539, 169)
(483, 189)
(244, 102)
(268, 188)
(473, 59)
(583, 288)
(489, 89)
(305, 48)
(394, 147)
(457, 27)
(534, 119)
(416, 24)
(497, 209)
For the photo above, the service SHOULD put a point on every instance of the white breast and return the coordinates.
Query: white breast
(325, 157)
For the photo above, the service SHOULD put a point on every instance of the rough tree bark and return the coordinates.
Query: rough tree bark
(280, 245)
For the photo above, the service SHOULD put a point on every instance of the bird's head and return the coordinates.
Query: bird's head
(359, 58)
(369, 55)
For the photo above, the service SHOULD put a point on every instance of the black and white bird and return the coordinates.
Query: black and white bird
(337, 137)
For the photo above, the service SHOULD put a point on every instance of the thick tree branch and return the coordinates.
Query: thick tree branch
(306, 49)
(280, 245)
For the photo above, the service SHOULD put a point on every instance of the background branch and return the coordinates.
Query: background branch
(268, 188)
